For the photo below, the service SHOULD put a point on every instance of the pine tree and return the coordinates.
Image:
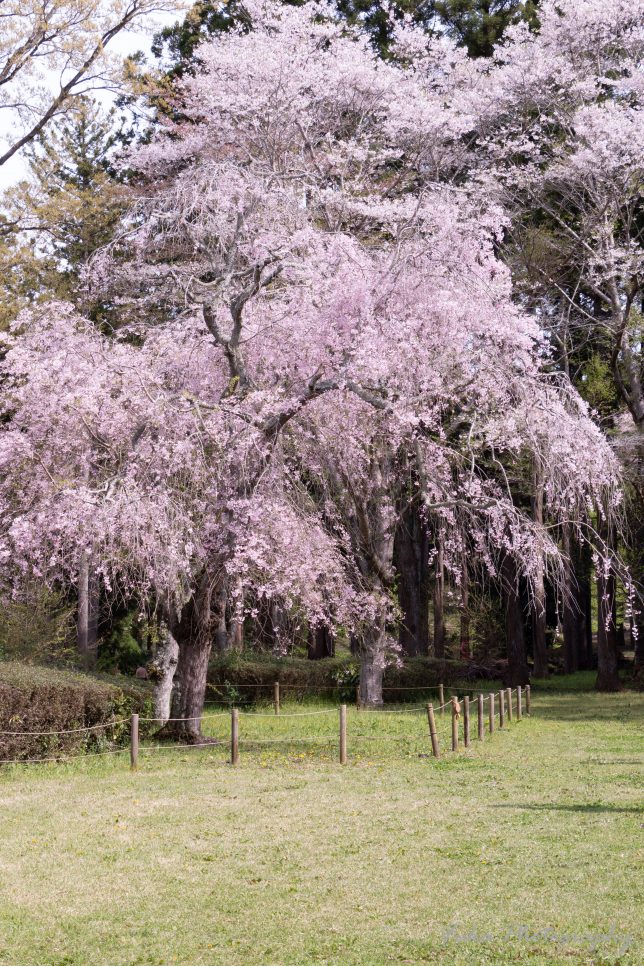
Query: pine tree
(62, 212)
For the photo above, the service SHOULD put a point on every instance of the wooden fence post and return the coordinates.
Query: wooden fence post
(527, 699)
(455, 713)
(432, 731)
(491, 712)
(466, 721)
(234, 737)
(343, 734)
(480, 713)
(501, 708)
(441, 698)
(134, 742)
(519, 708)
(509, 704)
(357, 697)
(276, 697)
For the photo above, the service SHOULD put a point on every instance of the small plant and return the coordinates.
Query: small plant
(231, 694)
(347, 678)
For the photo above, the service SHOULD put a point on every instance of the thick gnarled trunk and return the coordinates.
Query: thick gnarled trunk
(373, 658)
(195, 634)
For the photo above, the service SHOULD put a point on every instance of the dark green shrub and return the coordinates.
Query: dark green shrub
(121, 649)
(37, 699)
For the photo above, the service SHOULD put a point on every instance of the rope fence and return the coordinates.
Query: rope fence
(503, 708)
(278, 687)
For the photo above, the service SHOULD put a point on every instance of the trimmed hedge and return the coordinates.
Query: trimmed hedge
(245, 678)
(34, 698)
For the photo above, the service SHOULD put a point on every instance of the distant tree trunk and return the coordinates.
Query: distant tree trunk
(582, 563)
(321, 643)
(607, 670)
(87, 616)
(411, 559)
(571, 610)
(637, 571)
(221, 628)
(93, 612)
(439, 603)
(539, 616)
(164, 668)
(638, 646)
(279, 629)
(514, 631)
(466, 652)
(235, 620)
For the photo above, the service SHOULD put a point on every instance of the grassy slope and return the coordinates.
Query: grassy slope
(294, 860)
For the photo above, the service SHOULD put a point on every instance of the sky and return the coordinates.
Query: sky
(126, 43)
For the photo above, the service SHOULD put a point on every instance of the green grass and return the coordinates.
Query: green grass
(287, 859)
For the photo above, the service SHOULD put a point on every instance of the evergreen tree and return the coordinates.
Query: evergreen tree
(66, 209)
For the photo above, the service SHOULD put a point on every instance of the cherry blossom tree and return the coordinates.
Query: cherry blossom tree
(560, 142)
(314, 332)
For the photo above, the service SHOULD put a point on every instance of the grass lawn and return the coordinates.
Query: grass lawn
(525, 849)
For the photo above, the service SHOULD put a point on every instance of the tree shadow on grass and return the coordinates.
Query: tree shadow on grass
(626, 706)
(588, 807)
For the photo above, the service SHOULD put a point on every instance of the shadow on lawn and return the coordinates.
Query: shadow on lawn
(587, 808)
(589, 706)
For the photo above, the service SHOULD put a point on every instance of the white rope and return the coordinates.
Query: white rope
(36, 761)
(69, 731)
(204, 717)
(421, 707)
(352, 737)
(295, 714)
(282, 741)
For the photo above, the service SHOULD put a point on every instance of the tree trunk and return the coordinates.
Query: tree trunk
(439, 603)
(321, 643)
(372, 664)
(582, 562)
(85, 621)
(221, 627)
(571, 610)
(637, 624)
(466, 652)
(194, 632)
(515, 638)
(539, 616)
(164, 668)
(607, 671)
(411, 560)
(235, 620)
